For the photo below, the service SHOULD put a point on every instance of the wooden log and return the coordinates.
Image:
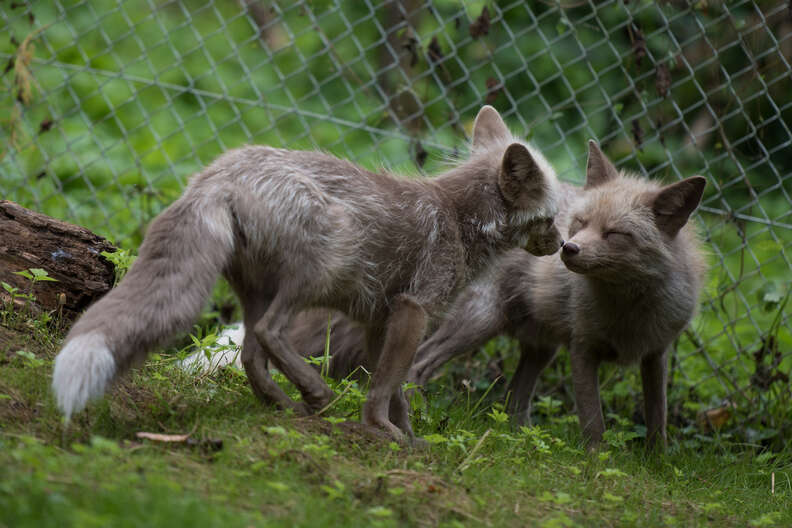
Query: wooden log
(68, 253)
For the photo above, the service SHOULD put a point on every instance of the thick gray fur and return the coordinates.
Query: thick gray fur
(292, 230)
(626, 285)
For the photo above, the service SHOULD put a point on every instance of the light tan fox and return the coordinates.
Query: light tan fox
(294, 230)
(626, 285)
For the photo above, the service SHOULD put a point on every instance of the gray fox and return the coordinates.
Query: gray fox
(626, 285)
(292, 230)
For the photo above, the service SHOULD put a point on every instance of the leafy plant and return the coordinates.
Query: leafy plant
(122, 260)
(35, 275)
(30, 359)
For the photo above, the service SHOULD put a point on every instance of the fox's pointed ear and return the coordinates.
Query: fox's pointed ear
(673, 204)
(599, 168)
(521, 181)
(488, 127)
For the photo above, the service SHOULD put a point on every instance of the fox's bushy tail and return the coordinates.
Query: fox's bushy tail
(184, 251)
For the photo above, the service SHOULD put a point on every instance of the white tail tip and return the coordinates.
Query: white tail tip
(83, 369)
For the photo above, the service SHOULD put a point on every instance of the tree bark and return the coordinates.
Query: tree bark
(68, 253)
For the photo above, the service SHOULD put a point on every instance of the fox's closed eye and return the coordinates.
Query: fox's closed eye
(620, 234)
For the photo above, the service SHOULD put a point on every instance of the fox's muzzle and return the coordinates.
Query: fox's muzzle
(569, 248)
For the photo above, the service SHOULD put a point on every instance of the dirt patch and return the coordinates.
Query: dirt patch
(11, 340)
(17, 402)
(22, 336)
(13, 407)
(354, 431)
(129, 401)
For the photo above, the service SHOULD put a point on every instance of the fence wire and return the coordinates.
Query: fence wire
(108, 106)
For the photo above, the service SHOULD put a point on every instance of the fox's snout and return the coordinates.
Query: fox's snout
(570, 256)
(545, 242)
(569, 248)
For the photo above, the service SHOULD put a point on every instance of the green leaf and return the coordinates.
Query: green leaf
(770, 295)
(380, 511)
(41, 275)
(612, 498)
(560, 28)
(559, 521)
(611, 472)
(24, 273)
(562, 498)
(26, 354)
(768, 519)
(274, 430)
(104, 444)
(278, 486)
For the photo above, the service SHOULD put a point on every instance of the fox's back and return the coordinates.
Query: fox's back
(363, 234)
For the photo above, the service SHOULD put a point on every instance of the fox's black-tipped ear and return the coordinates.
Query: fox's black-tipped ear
(673, 204)
(521, 180)
(488, 127)
(599, 168)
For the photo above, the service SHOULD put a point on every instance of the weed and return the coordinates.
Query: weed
(122, 260)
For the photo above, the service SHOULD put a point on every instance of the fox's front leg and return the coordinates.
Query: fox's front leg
(654, 376)
(533, 360)
(405, 329)
(586, 384)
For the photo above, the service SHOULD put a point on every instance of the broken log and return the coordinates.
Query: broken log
(68, 253)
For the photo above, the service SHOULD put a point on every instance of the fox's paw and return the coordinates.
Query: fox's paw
(318, 400)
(391, 430)
(377, 417)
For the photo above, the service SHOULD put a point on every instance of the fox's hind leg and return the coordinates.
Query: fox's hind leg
(254, 359)
(475, 318)
(271, 330)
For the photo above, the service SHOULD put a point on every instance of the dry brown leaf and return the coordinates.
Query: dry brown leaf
(157, 437)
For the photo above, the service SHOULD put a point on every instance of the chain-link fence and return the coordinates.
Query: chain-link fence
(107, 107)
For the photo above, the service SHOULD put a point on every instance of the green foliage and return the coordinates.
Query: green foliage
(35, 275)
(30, 359)
(277, 469)
(8, 313)
(122, 260)
(15, 294)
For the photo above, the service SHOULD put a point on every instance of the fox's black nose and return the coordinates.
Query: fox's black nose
(570, 248)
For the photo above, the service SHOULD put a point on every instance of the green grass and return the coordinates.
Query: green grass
(278, 469)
